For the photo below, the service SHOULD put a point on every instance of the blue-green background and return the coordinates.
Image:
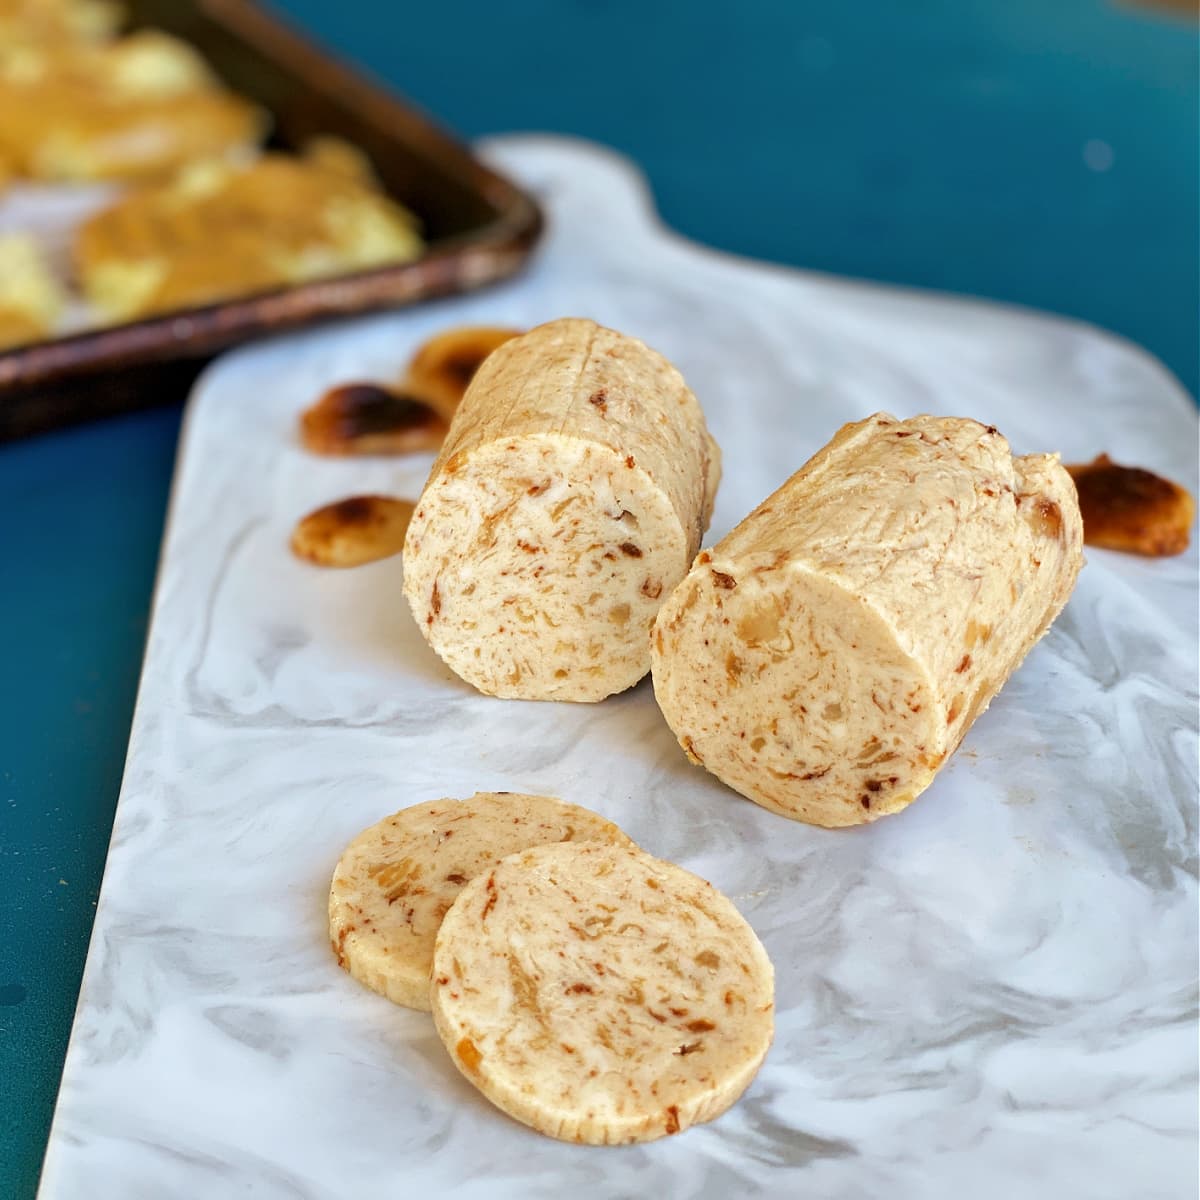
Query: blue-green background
(939, 143)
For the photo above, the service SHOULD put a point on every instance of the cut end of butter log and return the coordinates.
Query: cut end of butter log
(828, 655)
(570, 495)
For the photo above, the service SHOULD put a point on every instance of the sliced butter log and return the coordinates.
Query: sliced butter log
(569, 497)
(829, 654)
(601, 995)
(396, 880)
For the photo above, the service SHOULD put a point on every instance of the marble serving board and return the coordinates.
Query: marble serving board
(991, 994)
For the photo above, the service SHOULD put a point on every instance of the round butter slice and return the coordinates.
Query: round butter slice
(397, 879)
(601, 995)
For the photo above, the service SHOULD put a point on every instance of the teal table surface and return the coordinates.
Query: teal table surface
(1044, 154)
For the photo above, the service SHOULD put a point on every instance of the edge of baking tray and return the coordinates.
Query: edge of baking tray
(98, 372)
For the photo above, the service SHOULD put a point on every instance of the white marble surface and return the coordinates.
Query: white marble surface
(992, 994)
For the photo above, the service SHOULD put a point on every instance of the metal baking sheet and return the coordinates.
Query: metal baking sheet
(478, 227)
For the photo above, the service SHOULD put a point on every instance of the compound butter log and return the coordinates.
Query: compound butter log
(828, 655)
(571, 493)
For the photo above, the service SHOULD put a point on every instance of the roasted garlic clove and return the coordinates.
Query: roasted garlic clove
(368, 418)
(442, 367)
(1130, 509)
(351, 532)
